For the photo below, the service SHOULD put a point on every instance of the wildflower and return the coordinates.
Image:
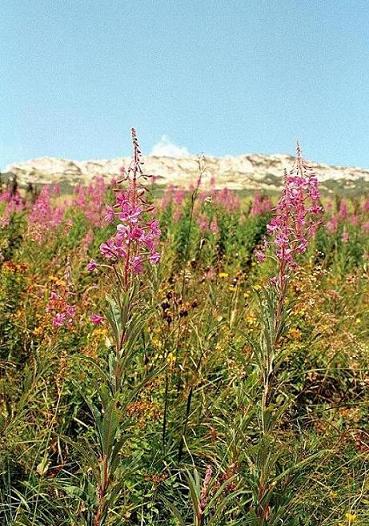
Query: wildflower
(90, 201)
(59, 319)
(13, 204)
(109, 214)
(96, 319)
(354, 219)
(296, 219)
(137, 233)
(62, 311)
(155, 258)
(260, 205)
(207, 225)
(343, 210)
(173, 195)
(45, 215)
(351, 518)
(226, 199)
(137, 264)
(171, 359)
(91, 265)
(65, 317)
(345, 236)
(260, 251)
(332, 224)
(154, 228)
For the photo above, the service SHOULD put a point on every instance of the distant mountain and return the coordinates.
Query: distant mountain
(245, 172)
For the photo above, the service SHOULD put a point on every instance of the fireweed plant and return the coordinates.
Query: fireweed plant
(126, 256)
(296, 219)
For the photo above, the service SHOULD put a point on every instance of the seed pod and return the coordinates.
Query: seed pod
(168, 319)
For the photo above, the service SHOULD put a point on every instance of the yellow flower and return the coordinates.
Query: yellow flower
(38, 331)
(294, 334)
(157, 342)
(171, 358)
(223, 275)
(59, 282)
(351, 518)
(251, 319)
(101, 331)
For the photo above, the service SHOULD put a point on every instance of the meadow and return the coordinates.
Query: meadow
(184, 357)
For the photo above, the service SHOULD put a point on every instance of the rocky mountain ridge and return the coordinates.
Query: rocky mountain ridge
(244, 172)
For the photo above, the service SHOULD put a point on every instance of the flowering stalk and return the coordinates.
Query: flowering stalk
(91, 201)
(126, 255)
(130, 249)
(137, 235)
(10, 203)
(295, 222)
(45, 215)
(260, 205)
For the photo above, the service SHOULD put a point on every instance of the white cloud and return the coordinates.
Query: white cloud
(165, 148)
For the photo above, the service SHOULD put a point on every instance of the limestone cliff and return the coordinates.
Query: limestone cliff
(243, 172)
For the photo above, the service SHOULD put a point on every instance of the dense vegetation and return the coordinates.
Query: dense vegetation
(226, 384)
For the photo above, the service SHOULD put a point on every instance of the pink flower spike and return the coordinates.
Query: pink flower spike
(135, 242)
(296, 218)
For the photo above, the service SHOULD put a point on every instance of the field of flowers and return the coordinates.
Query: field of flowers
(172, 357)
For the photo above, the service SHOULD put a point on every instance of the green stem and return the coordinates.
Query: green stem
(165, 415)
(185, 425)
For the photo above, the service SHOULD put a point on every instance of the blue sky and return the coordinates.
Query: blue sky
(219, 77)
